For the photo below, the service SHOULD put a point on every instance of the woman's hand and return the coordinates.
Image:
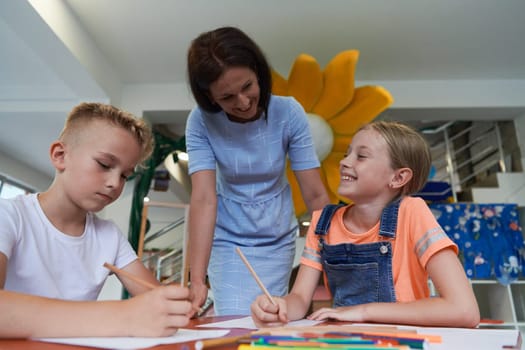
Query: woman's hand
(198, 295)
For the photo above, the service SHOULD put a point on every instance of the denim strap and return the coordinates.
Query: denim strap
(388, 223)
(326, 218)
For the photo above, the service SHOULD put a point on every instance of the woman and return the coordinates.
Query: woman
(238, 139)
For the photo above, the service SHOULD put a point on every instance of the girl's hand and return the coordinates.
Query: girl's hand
(266, 314)
(346, 313)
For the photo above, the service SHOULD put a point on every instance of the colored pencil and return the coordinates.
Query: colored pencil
(252, 271)
(328, 347)
(341, 342)
(208, 343)
(399, 335)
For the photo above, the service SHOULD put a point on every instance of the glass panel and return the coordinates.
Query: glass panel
(10, 191)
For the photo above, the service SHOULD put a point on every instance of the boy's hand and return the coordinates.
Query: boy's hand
(266, 314)
(159, 312)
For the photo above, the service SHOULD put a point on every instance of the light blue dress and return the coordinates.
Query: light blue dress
(255, 209)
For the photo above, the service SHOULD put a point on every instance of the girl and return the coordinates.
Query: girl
(378, 252)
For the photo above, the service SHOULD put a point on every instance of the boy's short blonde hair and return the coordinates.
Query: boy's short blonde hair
(86, 112)
(407, 149)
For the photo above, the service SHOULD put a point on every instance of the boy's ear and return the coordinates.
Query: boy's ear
(57, 153)
(401, 178)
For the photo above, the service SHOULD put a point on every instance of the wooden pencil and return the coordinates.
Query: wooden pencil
(140, 281)
(131, 276)
(208, 343)
(252, 271)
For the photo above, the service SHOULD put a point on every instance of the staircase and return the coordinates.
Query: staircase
(479, 159)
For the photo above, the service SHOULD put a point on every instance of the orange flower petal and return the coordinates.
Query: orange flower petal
(331, 196)
(279, 84)
(368, 102)
(297, 197)
(338, 84)
(340, 103)
(341, 143)
(305, 82)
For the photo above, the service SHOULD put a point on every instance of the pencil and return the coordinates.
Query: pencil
(132, 277)
(252, 271)
(140, 281)
(208, 343)
(325, 347)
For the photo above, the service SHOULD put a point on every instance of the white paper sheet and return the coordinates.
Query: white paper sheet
(479, 339)
(131, 343)
(247, 322)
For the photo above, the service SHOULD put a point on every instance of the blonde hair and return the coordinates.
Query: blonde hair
(86, 112)
(407, 149)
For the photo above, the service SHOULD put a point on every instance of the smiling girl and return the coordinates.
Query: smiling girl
(378, 253)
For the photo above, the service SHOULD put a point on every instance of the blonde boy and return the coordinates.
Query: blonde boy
(53, 245)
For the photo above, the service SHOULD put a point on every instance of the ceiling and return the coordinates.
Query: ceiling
(56, 53)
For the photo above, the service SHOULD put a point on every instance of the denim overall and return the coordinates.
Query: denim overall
(359, 273)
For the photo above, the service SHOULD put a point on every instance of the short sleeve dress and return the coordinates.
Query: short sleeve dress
(255, 209)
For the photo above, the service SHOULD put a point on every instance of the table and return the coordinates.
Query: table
(453, 339)
(23, 344)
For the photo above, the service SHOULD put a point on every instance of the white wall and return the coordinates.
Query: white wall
(14, 169)
(454, 93)
(519, 123)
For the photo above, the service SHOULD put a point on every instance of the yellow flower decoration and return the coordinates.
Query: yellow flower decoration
(335, 108)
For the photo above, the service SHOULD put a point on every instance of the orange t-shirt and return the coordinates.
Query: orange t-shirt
(418, 238)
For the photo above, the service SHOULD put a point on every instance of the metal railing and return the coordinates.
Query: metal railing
(464, 151)
(167, 264)
(163, 249)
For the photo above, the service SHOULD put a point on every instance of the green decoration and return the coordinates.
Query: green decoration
(143, 177)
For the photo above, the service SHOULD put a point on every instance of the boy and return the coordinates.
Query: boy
(53, 246)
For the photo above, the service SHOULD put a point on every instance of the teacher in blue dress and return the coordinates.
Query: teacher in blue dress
(238, 140)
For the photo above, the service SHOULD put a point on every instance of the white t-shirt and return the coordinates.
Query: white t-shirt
(44, 261)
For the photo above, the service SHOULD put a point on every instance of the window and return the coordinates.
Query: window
(10, 189)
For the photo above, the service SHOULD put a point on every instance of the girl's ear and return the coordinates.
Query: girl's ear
(57, 153)
(401, 178)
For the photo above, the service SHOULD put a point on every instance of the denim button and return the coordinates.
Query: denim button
(383, 249)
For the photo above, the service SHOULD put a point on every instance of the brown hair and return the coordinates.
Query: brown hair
(211, 53)
(407, 149)
(86, 112)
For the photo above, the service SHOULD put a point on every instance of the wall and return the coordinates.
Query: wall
(519, 123)
(24, 174)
